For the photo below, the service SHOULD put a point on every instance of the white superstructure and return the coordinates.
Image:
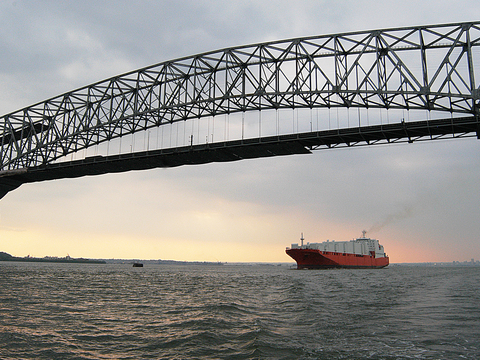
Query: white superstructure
(360, 246)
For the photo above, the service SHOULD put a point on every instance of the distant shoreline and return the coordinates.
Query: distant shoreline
(7, 257)
(50, 259)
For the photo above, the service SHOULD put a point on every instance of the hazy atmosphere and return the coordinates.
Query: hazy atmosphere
(420, 200)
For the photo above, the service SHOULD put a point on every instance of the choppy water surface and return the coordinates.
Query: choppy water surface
(67, 311)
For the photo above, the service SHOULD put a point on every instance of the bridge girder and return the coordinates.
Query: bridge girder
(426, 67)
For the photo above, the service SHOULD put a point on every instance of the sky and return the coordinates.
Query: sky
(420, 200)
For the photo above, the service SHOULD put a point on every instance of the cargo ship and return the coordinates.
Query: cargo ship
(360, 253)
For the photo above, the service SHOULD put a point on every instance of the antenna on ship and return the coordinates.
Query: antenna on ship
(302, 239)
(363, 233)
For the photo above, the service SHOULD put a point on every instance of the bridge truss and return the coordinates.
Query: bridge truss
(433, 68)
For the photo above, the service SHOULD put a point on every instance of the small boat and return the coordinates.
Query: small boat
(136, 264)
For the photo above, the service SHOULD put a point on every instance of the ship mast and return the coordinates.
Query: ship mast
(301, 239)
(363, 233)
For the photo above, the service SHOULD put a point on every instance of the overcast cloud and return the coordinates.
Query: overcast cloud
(420, 200)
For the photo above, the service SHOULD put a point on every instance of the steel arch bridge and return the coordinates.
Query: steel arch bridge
(428, 68)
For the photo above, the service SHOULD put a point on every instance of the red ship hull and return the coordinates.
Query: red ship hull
(316, 259)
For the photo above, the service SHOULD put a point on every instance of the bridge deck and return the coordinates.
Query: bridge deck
(301, 143)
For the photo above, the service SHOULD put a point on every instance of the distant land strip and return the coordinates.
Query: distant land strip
(7, 257)
(51, 259)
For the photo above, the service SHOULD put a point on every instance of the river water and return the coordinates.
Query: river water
(80, 311)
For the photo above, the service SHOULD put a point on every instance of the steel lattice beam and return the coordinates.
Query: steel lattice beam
(428, 67)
